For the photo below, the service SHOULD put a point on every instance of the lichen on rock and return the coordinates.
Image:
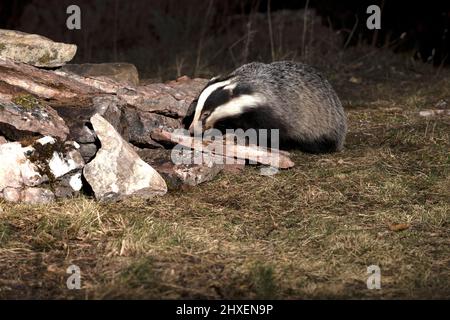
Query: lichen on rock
(26, 115)
(28, 101)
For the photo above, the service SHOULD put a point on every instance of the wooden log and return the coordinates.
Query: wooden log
(225, 148)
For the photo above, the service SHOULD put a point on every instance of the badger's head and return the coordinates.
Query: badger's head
(221, 99)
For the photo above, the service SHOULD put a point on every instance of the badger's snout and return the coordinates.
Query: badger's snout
(191, 129)
(197, 128)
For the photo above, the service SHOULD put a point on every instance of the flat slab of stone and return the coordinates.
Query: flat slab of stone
(27, 115)
(120, 72)
(34, 49)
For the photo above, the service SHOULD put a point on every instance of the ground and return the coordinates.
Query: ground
(308, 232)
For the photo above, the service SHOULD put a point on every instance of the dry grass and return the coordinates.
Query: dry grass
(309, 232)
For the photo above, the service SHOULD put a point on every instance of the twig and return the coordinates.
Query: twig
(352, 32)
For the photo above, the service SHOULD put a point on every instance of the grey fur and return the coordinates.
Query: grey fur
(299, 100)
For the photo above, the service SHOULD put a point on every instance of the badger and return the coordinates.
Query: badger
(289, 96)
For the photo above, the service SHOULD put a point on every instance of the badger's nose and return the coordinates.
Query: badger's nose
(195, 127)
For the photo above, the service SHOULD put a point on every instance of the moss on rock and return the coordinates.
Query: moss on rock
(27, 101)
(43, 153)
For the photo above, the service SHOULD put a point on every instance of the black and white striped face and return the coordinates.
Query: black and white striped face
(221, 99)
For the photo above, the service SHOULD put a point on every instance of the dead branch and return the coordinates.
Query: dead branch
(274, 158)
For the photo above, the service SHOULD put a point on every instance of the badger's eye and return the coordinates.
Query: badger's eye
(205, 115)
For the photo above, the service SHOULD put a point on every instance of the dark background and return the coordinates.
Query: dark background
(169, 38)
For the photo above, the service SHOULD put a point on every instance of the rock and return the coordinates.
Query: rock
(132, 123)
(34, 49)
(53, 157)
(68, 186)
(3, 140)
(77, 118)
(37, 195)
(88, 151)
(15, 169)
(125, 73)
(138, 125)
(28, 195)
(82, 134)
(133, 111)
(26, 116)
(12, 194)
(195, 174)
(180, 174)
(75, 181)
(110, 108)
(117, 171)
(160, 160)
(170, 99)
(40, 161)
(155, 157)
(20, 78)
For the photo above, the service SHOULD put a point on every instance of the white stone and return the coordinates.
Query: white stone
(117, 170)
(46, 139)
(75, 181)
(12, 194)
(37, 195)
(18, 173)
(15, 169)
(60, 164)
(30, 195)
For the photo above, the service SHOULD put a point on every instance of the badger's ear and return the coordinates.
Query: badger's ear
(241, 89)
(214, 80)
(187, 120)
(218, 78)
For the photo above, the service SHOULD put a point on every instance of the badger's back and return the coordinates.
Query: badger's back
(299, 101)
